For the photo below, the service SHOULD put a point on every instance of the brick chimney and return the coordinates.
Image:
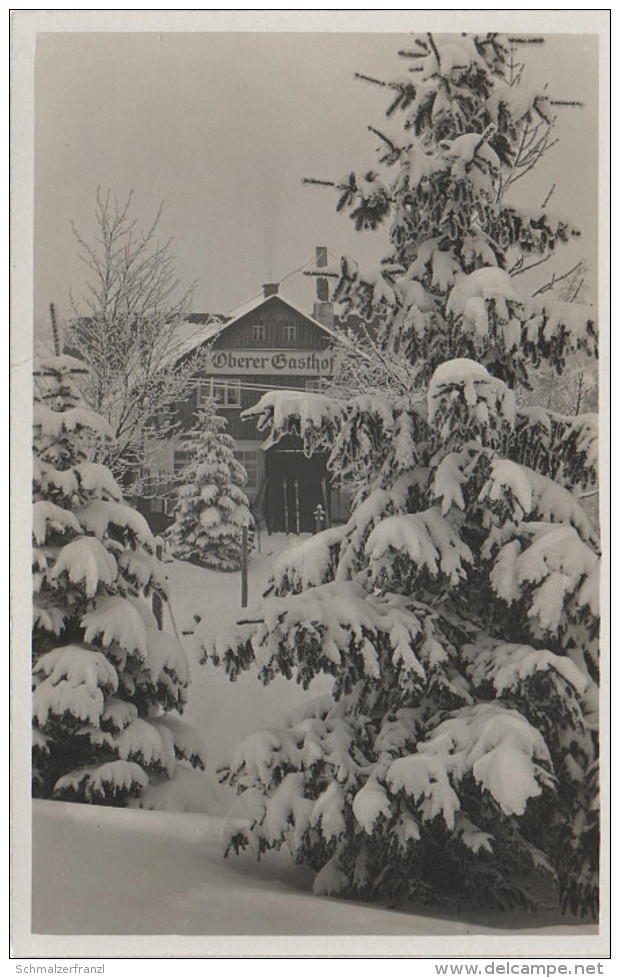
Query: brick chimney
(323, 310)
(271, 288)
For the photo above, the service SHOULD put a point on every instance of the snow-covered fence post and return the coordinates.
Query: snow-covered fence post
(158, 609)
(244, 566)
(157, 604)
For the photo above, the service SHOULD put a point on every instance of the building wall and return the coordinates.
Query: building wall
(269, 348)
(272, 347)
(274, 315)
(250, 389)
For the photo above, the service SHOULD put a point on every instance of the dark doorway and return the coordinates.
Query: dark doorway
(295, 487)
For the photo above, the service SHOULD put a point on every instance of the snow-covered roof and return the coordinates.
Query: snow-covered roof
(192, 334)
(261, 300)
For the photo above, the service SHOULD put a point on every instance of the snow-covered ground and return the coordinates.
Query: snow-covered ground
(117, 871)
(222, 711)
(109, 871)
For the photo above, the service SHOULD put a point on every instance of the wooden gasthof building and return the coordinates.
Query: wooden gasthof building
(271, 345)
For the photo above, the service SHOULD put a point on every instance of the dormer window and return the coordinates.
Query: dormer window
(289, 334)
(258, 334)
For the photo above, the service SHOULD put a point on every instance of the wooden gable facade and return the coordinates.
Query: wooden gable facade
(272, 346)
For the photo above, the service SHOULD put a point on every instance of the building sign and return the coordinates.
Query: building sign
(301, 363)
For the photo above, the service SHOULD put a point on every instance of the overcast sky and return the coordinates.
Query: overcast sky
(223, 126)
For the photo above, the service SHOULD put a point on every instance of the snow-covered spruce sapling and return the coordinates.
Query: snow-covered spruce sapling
(109, 687)
(457, 610)
(211, 508)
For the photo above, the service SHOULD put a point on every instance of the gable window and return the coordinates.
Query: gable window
(289, 334)
(258, 334)
(225, 393)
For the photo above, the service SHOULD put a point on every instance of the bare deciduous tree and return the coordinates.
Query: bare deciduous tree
(127, 329)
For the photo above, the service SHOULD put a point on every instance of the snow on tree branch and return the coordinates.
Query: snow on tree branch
(102, 669)
(456, 611)
(127, 331)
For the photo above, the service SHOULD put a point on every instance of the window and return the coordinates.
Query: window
(258, 334)
(249, 461)
(314, 384)
(289, 334)
(225, 393)
(203, 392)
(181, 458)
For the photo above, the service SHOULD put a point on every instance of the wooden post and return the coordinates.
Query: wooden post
(158, 609)
(55, 334)
(244, 567)
(326, 502)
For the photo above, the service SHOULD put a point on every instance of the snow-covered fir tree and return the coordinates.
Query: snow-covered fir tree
(109, 685)
(457, 610)
(211, 508)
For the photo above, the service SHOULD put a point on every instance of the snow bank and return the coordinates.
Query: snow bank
(162, 873)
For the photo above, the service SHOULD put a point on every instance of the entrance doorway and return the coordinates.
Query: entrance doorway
(296, 485)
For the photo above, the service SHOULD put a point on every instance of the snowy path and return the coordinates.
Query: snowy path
(118, 871)
(224, 712)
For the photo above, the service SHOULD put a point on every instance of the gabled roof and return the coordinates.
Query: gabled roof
(202, 327)
(201, 318)
(198, 328)
(262, 301)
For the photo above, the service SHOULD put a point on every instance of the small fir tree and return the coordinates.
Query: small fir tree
(457, 610)
(108, 685)
(211, 507)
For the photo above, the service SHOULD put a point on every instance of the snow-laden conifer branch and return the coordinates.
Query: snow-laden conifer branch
(102, 669)
(210, 507)
(457, 609)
